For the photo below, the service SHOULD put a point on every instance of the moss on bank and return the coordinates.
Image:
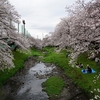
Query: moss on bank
(53, 86)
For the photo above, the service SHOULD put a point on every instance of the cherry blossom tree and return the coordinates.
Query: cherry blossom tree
(9, 36)
(8, 15)
(80, 30)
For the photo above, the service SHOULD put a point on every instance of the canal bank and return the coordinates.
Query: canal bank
(26, 84)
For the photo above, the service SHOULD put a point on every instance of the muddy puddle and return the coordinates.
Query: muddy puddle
(26, 85)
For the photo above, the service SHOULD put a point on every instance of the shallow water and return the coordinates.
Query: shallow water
(26, 85)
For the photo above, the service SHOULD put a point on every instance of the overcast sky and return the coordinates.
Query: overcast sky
(41, 16)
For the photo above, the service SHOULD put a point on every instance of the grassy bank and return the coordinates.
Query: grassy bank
(90, 83)
(18, 61)
(53, 86)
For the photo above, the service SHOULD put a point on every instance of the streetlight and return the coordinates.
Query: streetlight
(24, 26)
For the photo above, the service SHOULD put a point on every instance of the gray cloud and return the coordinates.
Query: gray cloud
(46, 28)
(41, 16)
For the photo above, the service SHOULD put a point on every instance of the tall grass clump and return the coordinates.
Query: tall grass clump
(53, 85)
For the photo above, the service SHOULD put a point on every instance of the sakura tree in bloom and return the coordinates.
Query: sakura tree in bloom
(8, 15)
(9, 36)
(80, 30)
(5, 56)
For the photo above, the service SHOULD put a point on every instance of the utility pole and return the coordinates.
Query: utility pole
(24, 26)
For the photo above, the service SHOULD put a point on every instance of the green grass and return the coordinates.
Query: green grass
(53, 85)
(84, 81)
(19, 59)
(89, 78)
(35, 52)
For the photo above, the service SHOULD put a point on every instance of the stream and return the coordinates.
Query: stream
(27, 84)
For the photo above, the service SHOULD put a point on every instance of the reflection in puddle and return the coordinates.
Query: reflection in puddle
(40, 69)
(30, 87)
